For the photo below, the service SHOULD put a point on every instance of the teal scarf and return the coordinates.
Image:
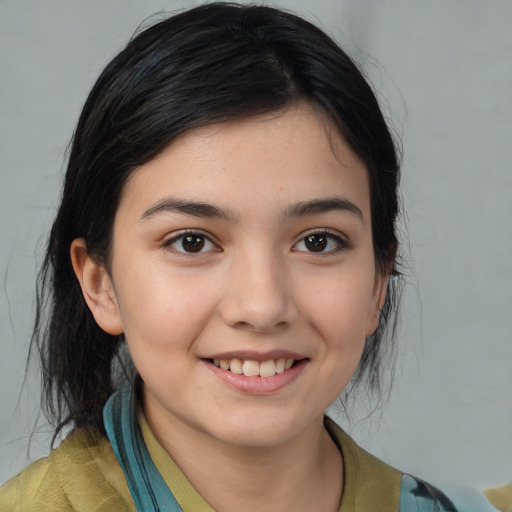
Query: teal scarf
(147, 487)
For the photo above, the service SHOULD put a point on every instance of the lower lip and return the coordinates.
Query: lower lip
(259, 385)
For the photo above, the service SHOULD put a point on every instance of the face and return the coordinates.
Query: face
(243, 277)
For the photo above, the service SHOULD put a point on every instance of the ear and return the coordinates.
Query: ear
(378, 298)
(97, 288)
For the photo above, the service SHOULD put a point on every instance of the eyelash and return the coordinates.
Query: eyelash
(191, 234)
(341, 244)
(325, 238)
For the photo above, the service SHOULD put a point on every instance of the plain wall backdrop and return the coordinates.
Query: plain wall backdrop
(443, 71)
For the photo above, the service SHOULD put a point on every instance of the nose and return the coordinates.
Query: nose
(259, 296)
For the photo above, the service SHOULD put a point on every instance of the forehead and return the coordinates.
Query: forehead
(274, 159)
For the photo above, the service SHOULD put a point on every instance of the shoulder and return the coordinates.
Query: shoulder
(374, 486)
(24, 492)
(82, 474)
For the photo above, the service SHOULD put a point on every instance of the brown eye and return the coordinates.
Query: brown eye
(316, 243)
(321, 242)
(193, 243)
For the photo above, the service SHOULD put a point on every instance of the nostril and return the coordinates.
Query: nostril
(242, 325)
(260, 327)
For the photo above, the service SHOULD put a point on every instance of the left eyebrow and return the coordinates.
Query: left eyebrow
(194, 208)
(323, 206)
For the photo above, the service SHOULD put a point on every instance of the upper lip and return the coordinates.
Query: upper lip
(253, 355)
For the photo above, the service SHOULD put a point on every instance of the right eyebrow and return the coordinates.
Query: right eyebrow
(324, 205)
(194, 208)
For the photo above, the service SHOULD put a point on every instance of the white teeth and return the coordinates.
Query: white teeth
(252, 368)
(280, 365)
(236, 366)
(268, 368)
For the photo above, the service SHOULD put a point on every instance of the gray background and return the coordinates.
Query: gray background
(444, 73)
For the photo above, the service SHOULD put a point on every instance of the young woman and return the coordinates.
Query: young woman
(227, 226)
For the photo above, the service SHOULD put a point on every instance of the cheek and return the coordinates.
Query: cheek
(161, 311)
(339, 308)
(340, 304)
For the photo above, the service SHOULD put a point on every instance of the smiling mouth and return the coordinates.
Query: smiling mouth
(251, 368)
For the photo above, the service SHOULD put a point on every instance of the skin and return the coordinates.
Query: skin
(254, 290)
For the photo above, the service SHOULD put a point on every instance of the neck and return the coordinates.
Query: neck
(302, 474)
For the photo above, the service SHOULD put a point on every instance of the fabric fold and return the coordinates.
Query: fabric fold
(147, 487)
